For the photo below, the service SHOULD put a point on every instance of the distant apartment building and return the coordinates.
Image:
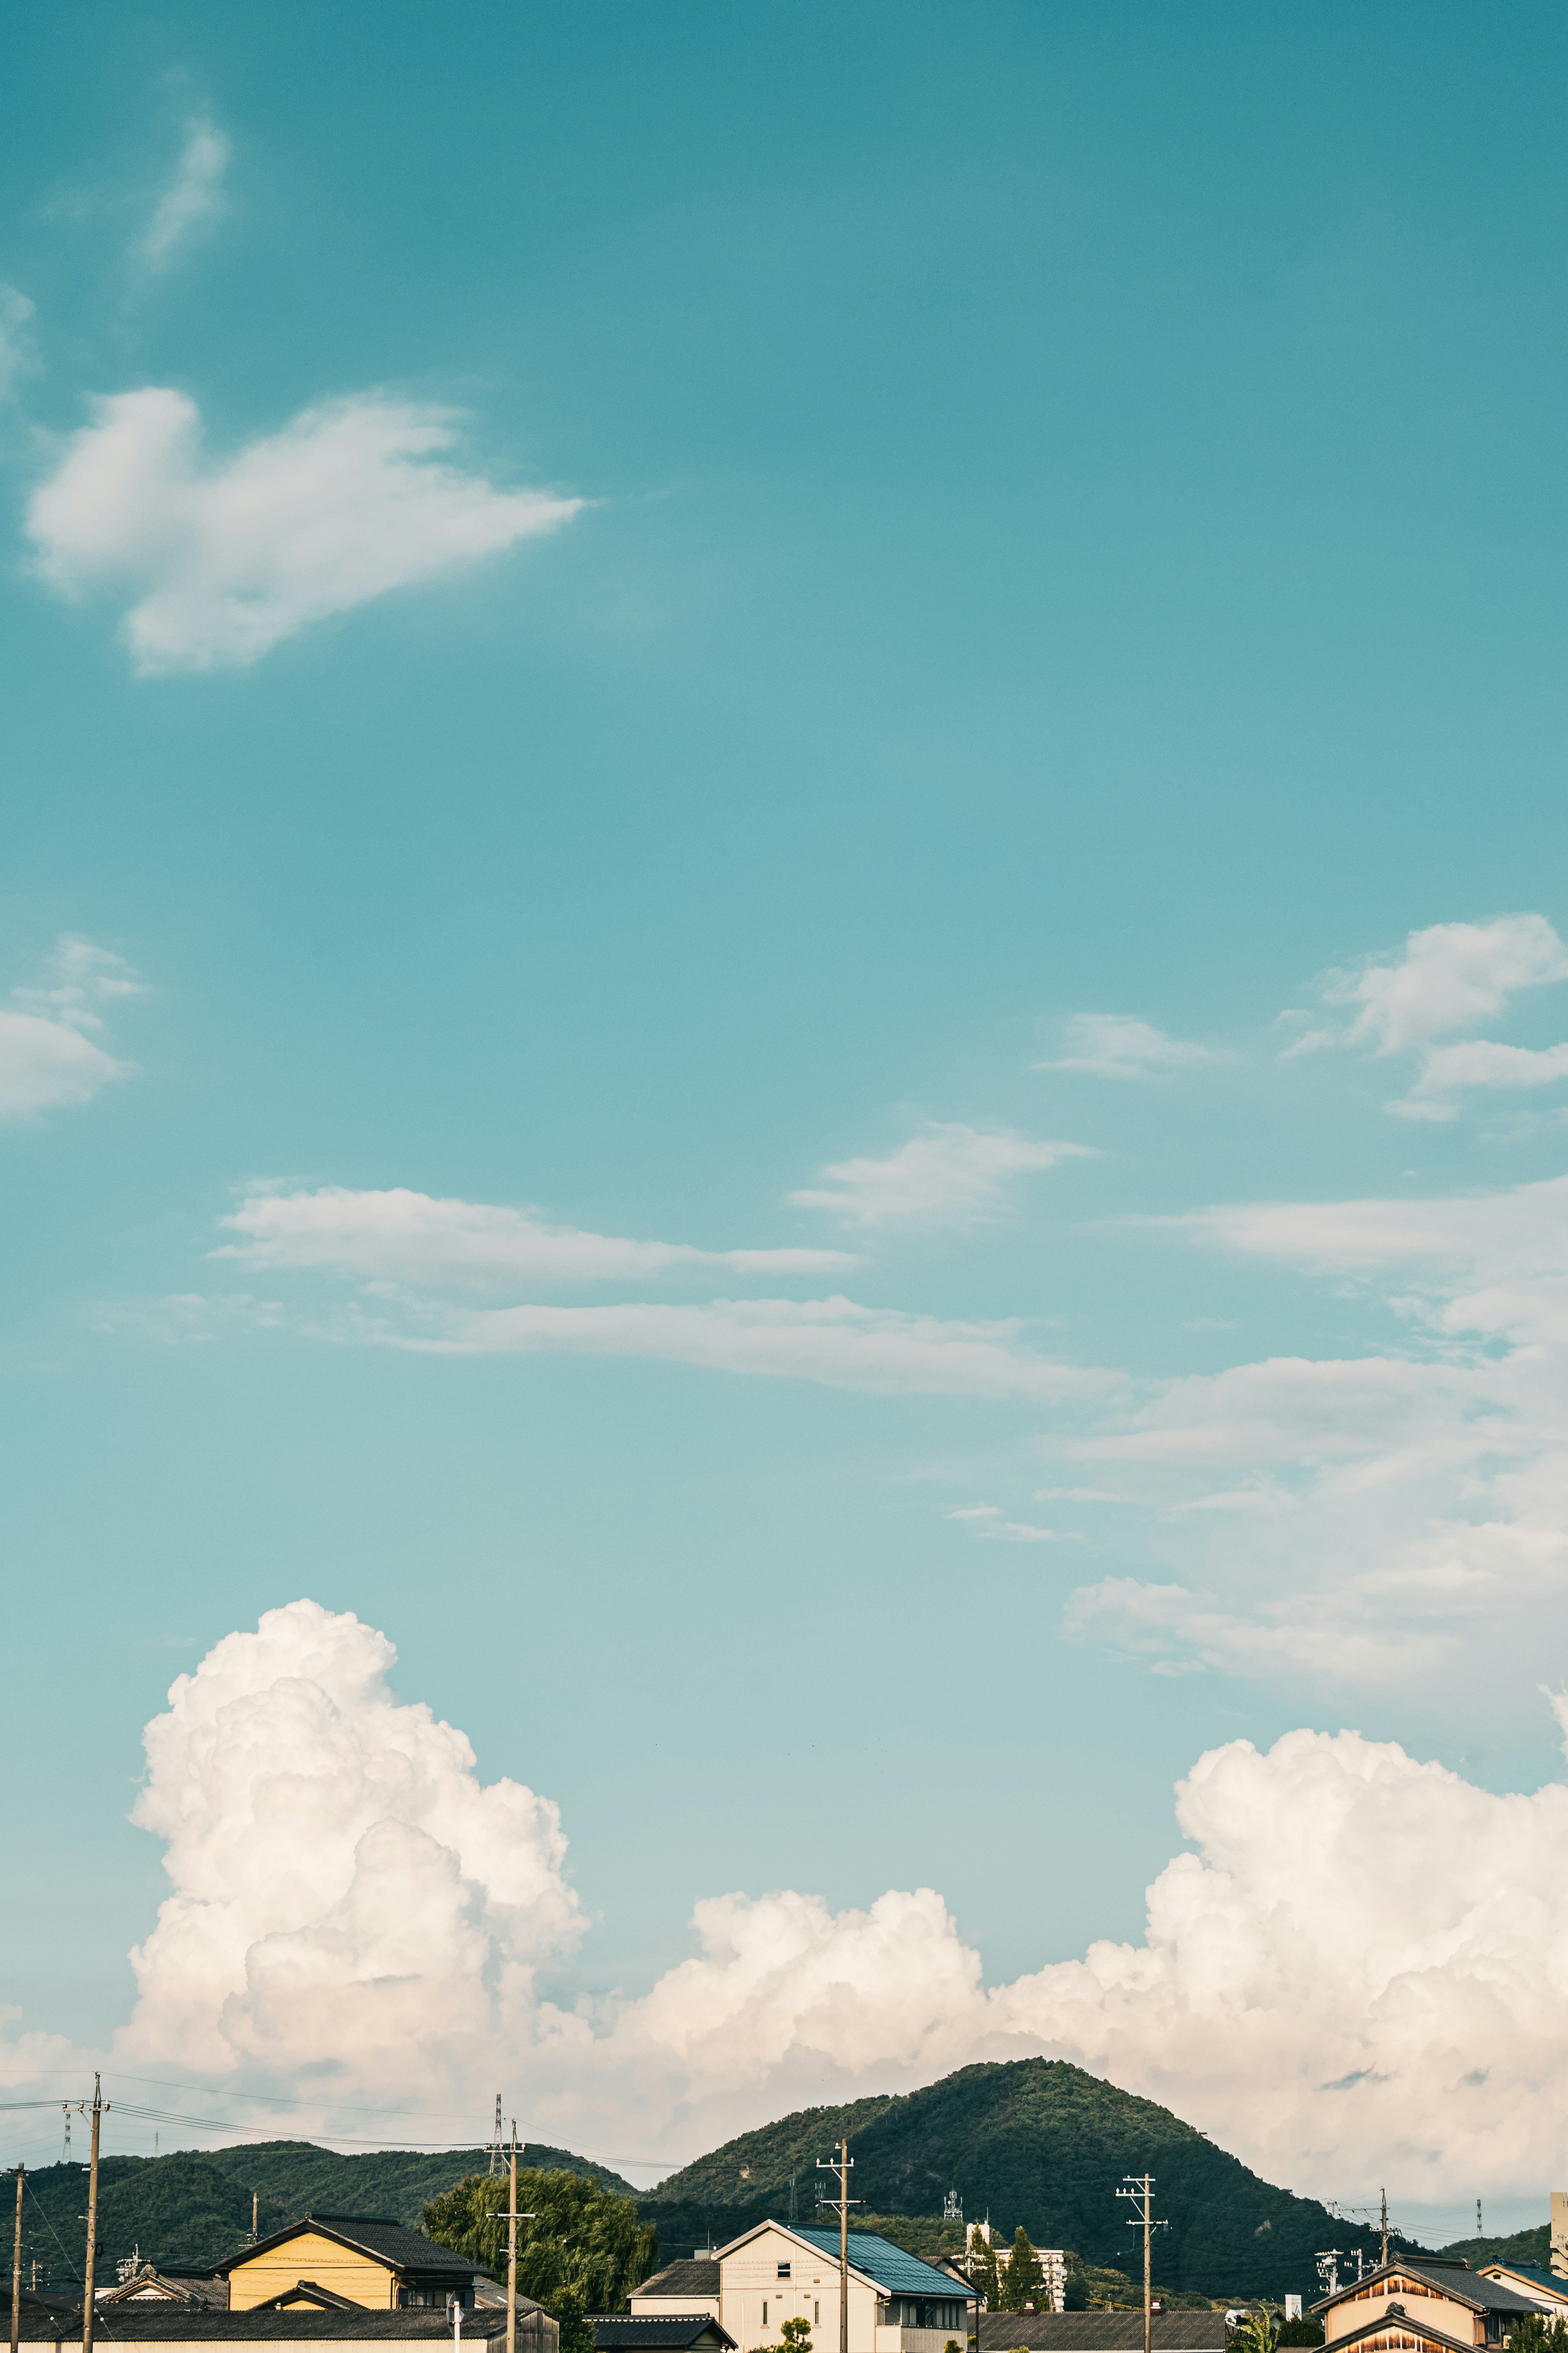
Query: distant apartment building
(1052, 2261)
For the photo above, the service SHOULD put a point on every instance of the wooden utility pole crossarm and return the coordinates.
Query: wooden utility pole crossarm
(16, 2270)
(1140, 2189)
(840, 2165)
(88, 2309)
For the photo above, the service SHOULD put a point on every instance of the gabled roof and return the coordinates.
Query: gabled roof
(309, 2292)
(1531, 2274)
(1472, 2289)
(1103, 2332)
(379, 2236)
(659, 2332)
(878, 2260)
(694, 2277)
(1394, 2315)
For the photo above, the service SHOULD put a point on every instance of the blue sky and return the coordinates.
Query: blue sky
(668, 600)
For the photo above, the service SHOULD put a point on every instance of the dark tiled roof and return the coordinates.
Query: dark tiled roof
(1455, 2279)
(175, 2323)
(1548, 2281)
(663, 2332)
(1102, 2332)
(694, 2278)
(879, 2260)
(307, 2292)
(381, 2235)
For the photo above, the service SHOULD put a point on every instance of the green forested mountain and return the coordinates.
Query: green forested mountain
(1036, 2142)
(1523, 2247)
(193, 2207)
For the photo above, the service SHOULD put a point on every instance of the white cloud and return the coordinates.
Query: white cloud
(1382, 1942)
(1406, 1508)
(950, 1174)
(1115, 1046)
(193, 199)
(836, 1340)
(990, 1523)
(345, 1892)
(223, 561)
(400, 1235)
(47, 1062)
(1449, 977)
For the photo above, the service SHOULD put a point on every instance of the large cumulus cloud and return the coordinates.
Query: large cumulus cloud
(1363, 1957)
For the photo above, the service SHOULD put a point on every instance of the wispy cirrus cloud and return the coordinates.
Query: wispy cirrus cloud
(416, 1261)
(947, 1174)
(1117, 1046)
(48, 1059)
(193, 199)
(222, 561)
(403, 1237)
(989, 1520)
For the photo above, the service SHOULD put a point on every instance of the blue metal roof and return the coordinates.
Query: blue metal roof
(892, 2269)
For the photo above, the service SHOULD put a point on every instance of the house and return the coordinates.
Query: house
(147, 2285)
(777, 2271)
(345, 2263)
(686, 2332)
(1428, 2304)
(1102, 2332)
(158, 2322)
(1527, 2279)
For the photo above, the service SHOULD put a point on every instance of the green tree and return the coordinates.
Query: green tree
(1025, 2279)
(981, 2264)
(1534, 2333)
(582, 2249)
(796, 2334)
(1257, 2334)
(1308, 2330)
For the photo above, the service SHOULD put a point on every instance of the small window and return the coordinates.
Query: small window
(764, 2312)
(784, 2271)
(815, 2314)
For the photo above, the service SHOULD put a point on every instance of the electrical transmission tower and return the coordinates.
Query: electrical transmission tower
(497, 2151)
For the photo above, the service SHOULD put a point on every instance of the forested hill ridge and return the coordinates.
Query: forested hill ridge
(1522, 2247)
(193, 2208)
(1032, 2141)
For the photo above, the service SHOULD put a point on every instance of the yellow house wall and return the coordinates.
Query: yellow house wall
(1439, 2312)
(311, 2256)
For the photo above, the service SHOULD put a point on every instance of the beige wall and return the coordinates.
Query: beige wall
(651, 2305)
(310, 2256)
(1423, 2307)
(748, 2281)
(754, 2302)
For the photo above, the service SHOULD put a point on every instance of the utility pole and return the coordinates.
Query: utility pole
(840, 2165)
(512, 2219)
(255, 2216)
(16, 2271)
(87, 2302)
(1141, 2192)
